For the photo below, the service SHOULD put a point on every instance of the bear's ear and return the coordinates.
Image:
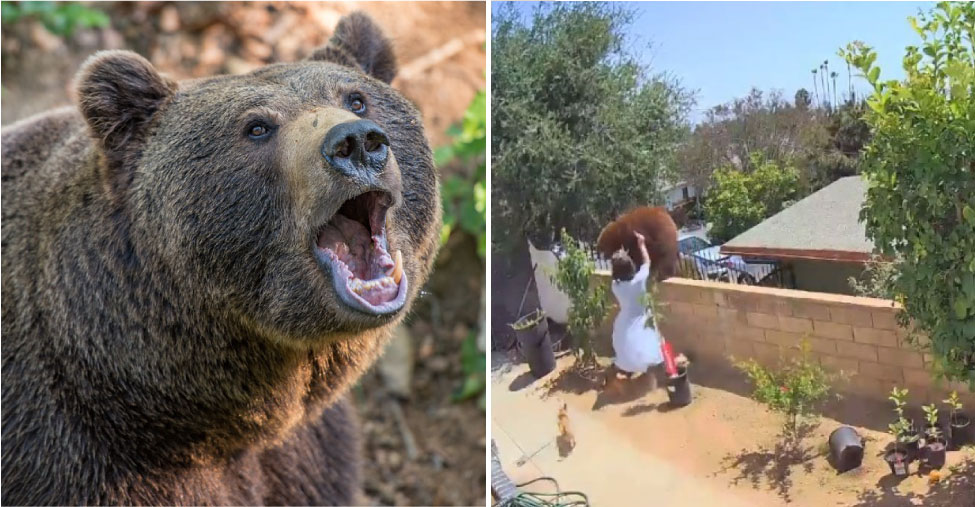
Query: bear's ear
(118, 92)
(358, 42)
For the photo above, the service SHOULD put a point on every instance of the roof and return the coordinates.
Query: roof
(823, 226)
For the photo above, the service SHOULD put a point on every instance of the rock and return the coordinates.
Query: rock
(169, 19)
(396, 364)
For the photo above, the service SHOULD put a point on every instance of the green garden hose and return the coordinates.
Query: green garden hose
(557, 499)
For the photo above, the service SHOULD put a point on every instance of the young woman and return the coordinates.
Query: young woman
(637, 346)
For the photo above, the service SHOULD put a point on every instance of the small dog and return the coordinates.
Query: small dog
(566, 440)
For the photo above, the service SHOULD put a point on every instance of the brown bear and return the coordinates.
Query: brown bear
(660, 231)
(194, 273)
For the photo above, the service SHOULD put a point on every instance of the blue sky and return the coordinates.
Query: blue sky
(723, 49)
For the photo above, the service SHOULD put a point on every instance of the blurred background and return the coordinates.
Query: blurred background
(422, 406)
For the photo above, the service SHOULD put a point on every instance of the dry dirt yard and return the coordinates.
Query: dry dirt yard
(720, 449)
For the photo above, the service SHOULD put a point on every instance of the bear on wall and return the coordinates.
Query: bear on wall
(659, 230)
(194, 274)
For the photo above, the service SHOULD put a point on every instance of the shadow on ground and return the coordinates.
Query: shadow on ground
(772, 466)
(956, 490)
(572, 380)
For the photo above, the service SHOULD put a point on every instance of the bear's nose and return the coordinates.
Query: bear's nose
(356, 147)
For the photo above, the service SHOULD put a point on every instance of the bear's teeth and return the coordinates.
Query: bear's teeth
(397, 273)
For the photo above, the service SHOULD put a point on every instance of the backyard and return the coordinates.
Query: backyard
(722, 448)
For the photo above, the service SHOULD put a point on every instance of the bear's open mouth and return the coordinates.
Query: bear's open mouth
(353, 244)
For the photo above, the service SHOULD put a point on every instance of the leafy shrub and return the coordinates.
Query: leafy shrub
(877, 280)
(589, 303)
(464, 197)
(795, 389)
(920, 167)
(739, 200)
(59, 18)
(581, 130)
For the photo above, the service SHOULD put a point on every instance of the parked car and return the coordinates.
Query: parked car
(710, 264)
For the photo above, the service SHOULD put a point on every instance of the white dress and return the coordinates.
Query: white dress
(637, 347)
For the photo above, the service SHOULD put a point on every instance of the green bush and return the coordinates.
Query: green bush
(920, 167)
(738, 201)
(581, 131)
(589, 303)
(795, 390)
(59, 18)
(465, 197)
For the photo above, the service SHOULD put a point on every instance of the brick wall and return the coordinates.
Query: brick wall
(859, 336)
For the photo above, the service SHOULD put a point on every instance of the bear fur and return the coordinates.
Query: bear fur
(168, 335)
(659, 230)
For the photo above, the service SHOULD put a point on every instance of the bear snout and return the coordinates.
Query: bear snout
(358, 148)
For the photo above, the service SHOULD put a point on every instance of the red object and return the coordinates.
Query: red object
(669, 364)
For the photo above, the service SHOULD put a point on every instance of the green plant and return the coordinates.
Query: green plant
(795, 389)
(738, 200)
(473, 364)
(954, 405)
(581, 129)
(902, 429)
(59, 18)
(653, 305)
(464, 196)
(931, 415)
(920, 167)
(588, 301)
(877, 280)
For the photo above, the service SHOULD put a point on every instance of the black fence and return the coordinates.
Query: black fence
(701, 260)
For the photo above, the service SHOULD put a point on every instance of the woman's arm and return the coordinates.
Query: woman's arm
(641, 243)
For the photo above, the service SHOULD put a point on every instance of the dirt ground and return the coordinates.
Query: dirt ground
(723, 447)
(441, 55)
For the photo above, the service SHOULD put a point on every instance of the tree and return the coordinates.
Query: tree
(802, 100)
(920, 166)
(740, 200)
(581, 130)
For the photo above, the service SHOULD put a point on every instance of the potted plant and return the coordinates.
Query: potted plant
(678, 382)
(535, 343)
(959, 424)
(934, 442)
(589, 303)
(906, 438)
(897, 457)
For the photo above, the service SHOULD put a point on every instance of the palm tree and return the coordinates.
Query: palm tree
(825, 68)
(849, 81)
(833, 75)
(815, 85)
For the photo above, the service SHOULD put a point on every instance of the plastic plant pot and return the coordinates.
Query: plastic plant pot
(679, 388)
(959, 431)
(898, 462)
(535, 343)
(934, 452)
(913, 445)
(845, 448)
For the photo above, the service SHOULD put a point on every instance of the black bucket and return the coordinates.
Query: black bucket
(959, 432)
(679, 389)
(845, 448)
(535, 343)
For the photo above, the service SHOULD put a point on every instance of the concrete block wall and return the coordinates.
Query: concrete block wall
(858, 336)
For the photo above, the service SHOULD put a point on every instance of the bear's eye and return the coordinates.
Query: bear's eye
(258, 131)
(357, 105)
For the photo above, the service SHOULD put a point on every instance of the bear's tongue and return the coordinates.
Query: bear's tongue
(371, 272)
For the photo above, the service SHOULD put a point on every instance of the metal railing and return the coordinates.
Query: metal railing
(710, 264)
